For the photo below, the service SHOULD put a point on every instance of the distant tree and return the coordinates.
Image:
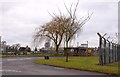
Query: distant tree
(8, 48)
(15, 48)
(35, 48)
(27, 49)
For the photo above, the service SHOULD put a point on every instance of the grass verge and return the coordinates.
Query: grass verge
(82, 63)
(30, 55)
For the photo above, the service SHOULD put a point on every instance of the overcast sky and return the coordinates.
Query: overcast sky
(19, 18)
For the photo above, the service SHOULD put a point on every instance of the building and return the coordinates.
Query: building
(3, 47)
(79, 51)
(24, 50)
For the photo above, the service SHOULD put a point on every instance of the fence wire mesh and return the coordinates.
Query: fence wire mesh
(108, 51)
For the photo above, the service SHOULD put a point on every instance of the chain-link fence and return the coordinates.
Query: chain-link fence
(108, 51)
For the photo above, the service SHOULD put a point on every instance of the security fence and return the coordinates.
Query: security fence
(108, 51)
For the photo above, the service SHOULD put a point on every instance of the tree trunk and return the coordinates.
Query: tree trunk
(66, 51)
(57, 49)
(66, 44)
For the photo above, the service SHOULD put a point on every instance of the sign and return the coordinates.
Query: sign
(47, 45)
(89, 51)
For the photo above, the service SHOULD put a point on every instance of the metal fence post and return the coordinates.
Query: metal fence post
(112, 53)
(100, 50)
(104, 51)
(115, 52)
(109, 52)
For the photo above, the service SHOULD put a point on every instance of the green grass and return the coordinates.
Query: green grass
(28, 55)
(81, 63)
(31, 55)
(0, 56)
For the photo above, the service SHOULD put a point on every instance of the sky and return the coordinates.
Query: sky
(20, 18)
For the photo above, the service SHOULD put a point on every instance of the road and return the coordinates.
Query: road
(25, 66)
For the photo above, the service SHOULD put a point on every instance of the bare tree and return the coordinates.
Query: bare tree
(70, 22)
(75, 24)
(52, 30)
(61, 27)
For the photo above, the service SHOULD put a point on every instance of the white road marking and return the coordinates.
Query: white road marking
(9, 70)
(58, 68)
(12, 59)
(19, 59)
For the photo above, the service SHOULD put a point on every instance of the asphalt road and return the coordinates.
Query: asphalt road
(25, 66)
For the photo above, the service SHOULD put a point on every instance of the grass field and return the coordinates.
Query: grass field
(30, 55)
(82, 63)
(0, 55)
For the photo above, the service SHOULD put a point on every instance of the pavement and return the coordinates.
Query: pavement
(25, 66)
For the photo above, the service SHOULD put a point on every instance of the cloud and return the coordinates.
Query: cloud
(104, 20)
(21, 17)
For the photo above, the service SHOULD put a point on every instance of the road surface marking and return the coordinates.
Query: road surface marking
(58, 68)
(9, 70)
(19, 59)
